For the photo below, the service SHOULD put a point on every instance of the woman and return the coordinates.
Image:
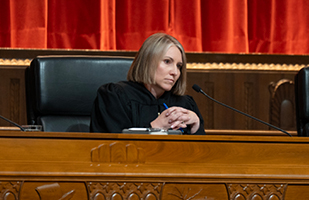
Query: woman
(153, 96)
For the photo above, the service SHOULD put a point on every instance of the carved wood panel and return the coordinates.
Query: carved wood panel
(9, 190)
(208, 109)
(111, 190)
(282, 104)
(249, 104)
(124, 190)
(12, 98)
(46, 190)
(15, 88)
(195, 192)
(257, 191)
(246, 91)
(117, 153)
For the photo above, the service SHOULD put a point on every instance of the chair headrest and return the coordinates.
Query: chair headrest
(67, 85)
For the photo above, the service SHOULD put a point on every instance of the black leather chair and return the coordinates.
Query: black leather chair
(60, 90)
(302, 101)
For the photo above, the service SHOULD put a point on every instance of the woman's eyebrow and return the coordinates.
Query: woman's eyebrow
(169, 57)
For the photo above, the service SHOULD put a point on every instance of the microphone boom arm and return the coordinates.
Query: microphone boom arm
(198, 89)
(21, 128)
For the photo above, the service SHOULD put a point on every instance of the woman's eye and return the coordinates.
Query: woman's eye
(179, 66)
(166, 61)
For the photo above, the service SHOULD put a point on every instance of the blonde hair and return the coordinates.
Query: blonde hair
(148, 57)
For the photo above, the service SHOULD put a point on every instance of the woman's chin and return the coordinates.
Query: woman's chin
(168, 88)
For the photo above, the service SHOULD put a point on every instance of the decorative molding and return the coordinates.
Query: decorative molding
(10, 190)
(118, 153)
(198, 66)
(130, 191)
(256, 191)
(245, 66)
(25, 62)
(98, 190)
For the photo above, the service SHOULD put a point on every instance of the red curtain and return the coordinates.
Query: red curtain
(238, 26)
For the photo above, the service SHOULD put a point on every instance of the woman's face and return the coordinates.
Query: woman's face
(168, 71)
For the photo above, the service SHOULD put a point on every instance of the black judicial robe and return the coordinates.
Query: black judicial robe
(129, 104)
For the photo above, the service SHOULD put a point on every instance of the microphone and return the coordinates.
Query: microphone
(198, 89)
(15, 124)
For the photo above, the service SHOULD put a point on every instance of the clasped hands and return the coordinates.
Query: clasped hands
(175, 118)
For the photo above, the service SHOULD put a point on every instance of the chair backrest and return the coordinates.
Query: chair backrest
(302, 101)
(61, 90)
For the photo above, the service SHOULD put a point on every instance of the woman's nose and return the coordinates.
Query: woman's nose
(175, 70)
